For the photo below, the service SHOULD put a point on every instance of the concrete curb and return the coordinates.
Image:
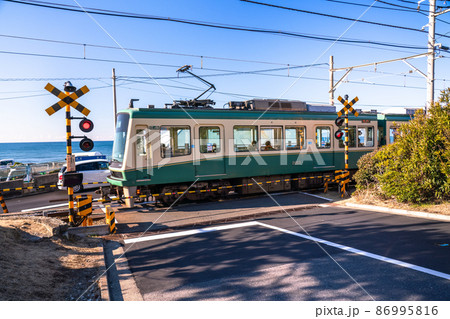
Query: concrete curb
(403, 212)
(130, 291)
(103, 281)
(96, 230)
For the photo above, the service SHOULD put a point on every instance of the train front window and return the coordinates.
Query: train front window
(120, 140)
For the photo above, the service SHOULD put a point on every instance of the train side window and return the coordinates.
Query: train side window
(175, 141)
(351, 137)
(271, 138)
(323, 137)
(209, 139)
(295, 137)
(141, 142)
(365, 136)
(245, 138)
(393, 134)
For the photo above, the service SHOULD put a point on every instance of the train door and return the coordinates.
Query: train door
(209, 151)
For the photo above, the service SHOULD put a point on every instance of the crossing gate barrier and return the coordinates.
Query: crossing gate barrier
(84, 205)
(342, 178)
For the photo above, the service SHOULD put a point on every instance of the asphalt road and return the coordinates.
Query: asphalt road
(269, 261)
(53, 199)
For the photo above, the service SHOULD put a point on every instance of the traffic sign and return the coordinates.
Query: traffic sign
(67, 100)
(348, 106)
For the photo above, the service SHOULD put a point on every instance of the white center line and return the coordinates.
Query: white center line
(362, 253)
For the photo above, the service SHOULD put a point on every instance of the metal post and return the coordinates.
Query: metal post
(114, 97)
(346, 149)
(430, 59)
(69, 163)
(3, 204)
(331, 92)
(346, 139)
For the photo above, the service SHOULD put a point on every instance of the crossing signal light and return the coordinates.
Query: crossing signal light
(339, 122)
(86, 144)
(339, 134)
(86, 125)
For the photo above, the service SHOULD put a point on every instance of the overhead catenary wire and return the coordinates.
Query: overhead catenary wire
(396, 8)
(212, 25)
(340, 17)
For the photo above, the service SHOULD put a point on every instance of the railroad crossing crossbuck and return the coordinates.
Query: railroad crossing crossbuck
(67, 100)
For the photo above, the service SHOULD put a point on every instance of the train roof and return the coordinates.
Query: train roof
(237, 114)
(395, 117)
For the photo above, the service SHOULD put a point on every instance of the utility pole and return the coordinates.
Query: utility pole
(331, 92)
(430, 59)
(114, 96)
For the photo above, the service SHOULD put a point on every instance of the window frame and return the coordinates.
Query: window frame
(330, 140)
(218, 149)
(262, 147)
(366, 128)
(255, 129)
(300, 147)
(163, 153)
(355, 145)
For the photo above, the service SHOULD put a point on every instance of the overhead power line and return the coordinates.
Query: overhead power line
(215, 25)
(396, 8)
(144, 50)
(340, 17)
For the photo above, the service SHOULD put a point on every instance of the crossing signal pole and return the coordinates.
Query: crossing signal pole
(67, 100)
(343, 176)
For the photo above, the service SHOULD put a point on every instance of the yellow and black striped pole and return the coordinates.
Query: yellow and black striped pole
(68, 163)
(110, 219)
(3, 204)
(346, 172)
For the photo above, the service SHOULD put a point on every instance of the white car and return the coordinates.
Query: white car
(94, 171)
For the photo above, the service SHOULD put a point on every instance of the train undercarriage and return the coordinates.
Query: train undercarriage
(171, 194)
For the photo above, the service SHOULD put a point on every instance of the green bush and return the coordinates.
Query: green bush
(416, 168)
(365, 176)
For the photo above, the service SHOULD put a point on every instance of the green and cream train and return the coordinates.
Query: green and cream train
(206, 152)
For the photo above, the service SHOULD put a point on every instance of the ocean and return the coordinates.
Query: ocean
(45, 152)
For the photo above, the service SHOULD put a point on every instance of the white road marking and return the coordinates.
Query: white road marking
(327, 199)
(362, 253)
(189, 232)
(44, 207)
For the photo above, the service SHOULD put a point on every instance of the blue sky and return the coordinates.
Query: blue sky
(26, 66)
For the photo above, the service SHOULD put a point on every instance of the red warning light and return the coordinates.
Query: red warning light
(86, 125)
(86, 144)
(339, 134)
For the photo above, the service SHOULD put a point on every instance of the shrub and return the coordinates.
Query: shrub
(416, 168)
(365, 176)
